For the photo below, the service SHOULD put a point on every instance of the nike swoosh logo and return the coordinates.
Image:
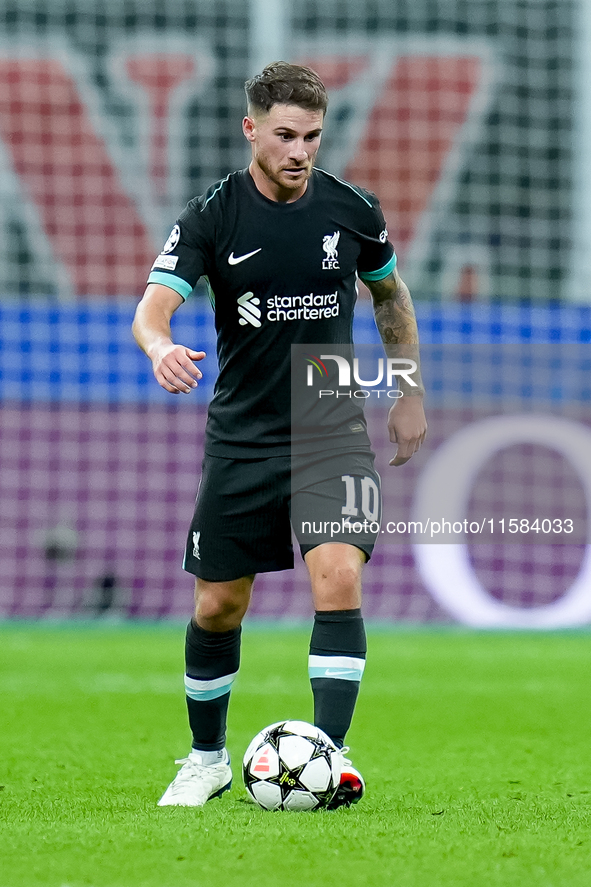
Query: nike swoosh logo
(339, 672)
(235, 260)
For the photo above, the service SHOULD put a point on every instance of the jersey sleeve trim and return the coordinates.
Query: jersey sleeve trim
(216, 188)
(381, 272)
(175, 283)
(353, 188)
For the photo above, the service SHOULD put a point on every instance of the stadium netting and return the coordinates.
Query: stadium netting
(99, 466)
(460, 115)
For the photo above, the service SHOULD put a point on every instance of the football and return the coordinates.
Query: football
(292, 765)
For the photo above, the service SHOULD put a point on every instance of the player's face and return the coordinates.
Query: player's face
(284, 144)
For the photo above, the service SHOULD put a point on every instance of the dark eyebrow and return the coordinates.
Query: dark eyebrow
(281, 129)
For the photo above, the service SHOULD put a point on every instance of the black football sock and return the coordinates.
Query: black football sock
(212, 660)
(337, 659)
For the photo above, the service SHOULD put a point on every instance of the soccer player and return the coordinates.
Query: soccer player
(280, 245)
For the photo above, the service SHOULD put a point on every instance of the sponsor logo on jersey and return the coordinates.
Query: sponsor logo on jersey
(173, 239)
(169, 263)
(235, 260)
(248, 310)
(281, 308)
(308, 307)
(329, 245)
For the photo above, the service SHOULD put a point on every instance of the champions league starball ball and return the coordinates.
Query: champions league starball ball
(292, 765)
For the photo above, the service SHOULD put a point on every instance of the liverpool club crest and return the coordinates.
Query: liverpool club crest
(329, 245)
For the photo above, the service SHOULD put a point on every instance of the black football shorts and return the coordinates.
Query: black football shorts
(246, 508)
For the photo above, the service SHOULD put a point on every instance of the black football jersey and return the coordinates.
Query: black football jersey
(278, 274)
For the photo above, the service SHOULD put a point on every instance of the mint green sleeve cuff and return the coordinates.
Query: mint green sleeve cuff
(381, 272)
(177, 284)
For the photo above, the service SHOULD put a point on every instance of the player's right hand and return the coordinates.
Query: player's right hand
(174, 368)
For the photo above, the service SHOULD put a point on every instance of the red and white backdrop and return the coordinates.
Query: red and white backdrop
(462, 118)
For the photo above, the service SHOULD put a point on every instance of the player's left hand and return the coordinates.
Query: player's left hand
(407, 426)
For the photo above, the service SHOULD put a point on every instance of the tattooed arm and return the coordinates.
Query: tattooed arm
(397, 325)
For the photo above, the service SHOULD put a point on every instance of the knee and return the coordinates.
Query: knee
(336, 580)
(343, 578)
(215, 606)
(338, 589)
(220, 606)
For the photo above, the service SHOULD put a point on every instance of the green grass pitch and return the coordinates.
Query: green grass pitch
(476, 749)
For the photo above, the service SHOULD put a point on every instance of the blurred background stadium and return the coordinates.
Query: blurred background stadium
(471, 119)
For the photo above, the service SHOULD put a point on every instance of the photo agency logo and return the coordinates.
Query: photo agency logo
(347, 373)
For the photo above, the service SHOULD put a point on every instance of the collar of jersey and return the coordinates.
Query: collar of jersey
(299, 204)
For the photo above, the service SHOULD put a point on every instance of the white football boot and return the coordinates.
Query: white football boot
(352, 785)
(196, 783)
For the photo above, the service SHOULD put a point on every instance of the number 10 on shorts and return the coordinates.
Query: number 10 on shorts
(362, 489)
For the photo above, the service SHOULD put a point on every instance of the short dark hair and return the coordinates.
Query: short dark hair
(283, 84)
